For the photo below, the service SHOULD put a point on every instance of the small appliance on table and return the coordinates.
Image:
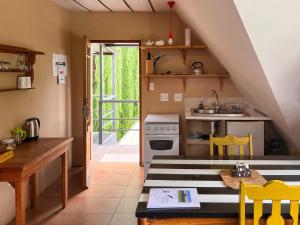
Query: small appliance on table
(161, 136)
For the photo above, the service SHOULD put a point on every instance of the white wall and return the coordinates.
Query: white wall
(273, 28)
(220, 27)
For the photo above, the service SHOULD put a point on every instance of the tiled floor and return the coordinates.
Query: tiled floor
(116, 153)
(110, 200)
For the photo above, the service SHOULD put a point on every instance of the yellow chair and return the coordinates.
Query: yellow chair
(231, 141)
(275, 191)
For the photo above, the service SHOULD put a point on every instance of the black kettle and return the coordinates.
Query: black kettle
(32, 128)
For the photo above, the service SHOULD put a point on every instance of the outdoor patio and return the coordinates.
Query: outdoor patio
(126, 150)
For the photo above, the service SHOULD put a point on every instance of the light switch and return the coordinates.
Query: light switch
(151, 86)
(177, 97)
(164, 97)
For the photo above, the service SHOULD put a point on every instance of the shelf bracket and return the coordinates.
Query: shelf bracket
(184, 56)
(184, 83)
(147, 80)
(221, 83)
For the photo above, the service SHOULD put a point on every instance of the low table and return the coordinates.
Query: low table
(28, 159)
(219, 204)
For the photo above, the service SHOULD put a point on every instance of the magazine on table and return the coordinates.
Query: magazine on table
(173, 198)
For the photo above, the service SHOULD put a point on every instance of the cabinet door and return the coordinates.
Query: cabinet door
(256, 128)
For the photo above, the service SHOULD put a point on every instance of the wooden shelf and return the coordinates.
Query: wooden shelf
(31, 57)
(12, 71)
(15, 89)
(18, 50)
(182, 48)
(194, 141)
(184, 77)
(174, 47)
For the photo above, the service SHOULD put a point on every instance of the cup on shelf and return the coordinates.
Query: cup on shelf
(24, 82)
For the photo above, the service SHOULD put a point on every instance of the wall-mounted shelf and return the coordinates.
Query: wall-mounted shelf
(15, 89)
(12, 71)
(30, 61)
(184, 77)
(182, 48)
(18, 50)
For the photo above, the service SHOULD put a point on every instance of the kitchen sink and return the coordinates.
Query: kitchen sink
(205, 111)
(216, 113)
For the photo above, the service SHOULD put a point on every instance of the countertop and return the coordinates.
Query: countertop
(253, 116)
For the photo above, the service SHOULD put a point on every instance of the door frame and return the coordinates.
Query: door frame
(140, 87)
(86, 110)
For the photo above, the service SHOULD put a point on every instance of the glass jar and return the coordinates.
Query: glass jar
(4, 66)
(8, 143)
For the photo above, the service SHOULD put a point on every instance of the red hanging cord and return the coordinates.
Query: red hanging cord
(171, 5)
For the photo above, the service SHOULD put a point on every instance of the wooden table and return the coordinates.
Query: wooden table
(29, 158)
(219, 204)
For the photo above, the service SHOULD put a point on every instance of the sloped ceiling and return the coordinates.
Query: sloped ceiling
(220, 26)
(273, 29)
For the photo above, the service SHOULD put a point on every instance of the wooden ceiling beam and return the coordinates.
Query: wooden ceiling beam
(78, 3)
(105, 6)
(151, 5)
(128, 6)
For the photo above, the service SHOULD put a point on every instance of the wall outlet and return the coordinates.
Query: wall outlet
(164, 97)
(151, 86)
(178, 97)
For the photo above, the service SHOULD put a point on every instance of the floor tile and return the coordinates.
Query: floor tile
(114, 170)
(109, 191)
(91, 205)
(110, 179)
(124, 219)
(137, 179)
(111, 198)
(51, 219)
(133, 191)
(87, 219)
(127, 205)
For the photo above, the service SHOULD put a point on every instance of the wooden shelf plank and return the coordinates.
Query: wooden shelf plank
(12, 71)
(184, 77)
(174, 47)
(15, 89)
(14, 50)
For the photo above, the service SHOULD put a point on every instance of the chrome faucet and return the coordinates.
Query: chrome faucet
(214, 93)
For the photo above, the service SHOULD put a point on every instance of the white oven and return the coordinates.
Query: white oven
(161, 136)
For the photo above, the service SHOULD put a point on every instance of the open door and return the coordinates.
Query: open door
(86, 109)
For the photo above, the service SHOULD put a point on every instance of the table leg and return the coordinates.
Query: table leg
(20, 202)
(32, 182)
(64, 179)
(142, 221)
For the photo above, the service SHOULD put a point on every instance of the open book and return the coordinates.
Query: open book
(173, 198)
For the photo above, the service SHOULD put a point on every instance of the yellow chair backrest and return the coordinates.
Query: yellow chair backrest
(275, 191)
(231, 141)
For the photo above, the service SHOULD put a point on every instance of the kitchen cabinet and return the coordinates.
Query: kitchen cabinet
(10, 55)
(200, 146)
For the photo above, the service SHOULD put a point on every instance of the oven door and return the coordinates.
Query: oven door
(160, 145)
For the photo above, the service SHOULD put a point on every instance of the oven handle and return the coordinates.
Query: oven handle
(161, 135)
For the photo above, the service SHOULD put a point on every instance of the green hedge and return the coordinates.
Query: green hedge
(127, 84)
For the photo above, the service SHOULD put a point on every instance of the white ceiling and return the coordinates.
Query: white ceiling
(114, 5)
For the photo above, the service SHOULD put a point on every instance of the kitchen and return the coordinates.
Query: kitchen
(53, 29)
